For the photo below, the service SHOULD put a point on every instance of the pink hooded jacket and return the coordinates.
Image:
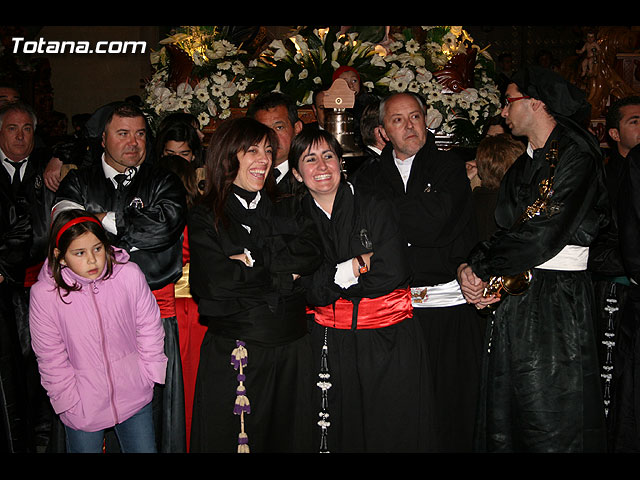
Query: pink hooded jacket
(100, 353)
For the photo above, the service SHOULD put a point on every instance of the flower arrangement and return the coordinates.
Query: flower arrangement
(306, 61)
(416, 66)
(197, 71)
(440, 63)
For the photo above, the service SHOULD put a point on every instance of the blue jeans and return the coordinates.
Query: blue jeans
(136, 435)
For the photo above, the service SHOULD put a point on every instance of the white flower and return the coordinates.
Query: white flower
(303, 74)
(216, 52)
(201, 94)
(287, 75)
(230, 89)
(224, 102)
(317, 80)
(413, 87)
(219, 78)
(203, 119)
(198, 58)
(378, 61)
(225, 114)
(469, 95)
(184, 103)
(216, 90)
(243, 100)
(280, 50)
(242, 84)
(368, 85)
(433, 118)
(224, 65)
(412, 46)
(238, 68)
(423, 75)
(184, 90)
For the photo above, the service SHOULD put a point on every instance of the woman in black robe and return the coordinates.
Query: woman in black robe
(369, 352)
(254, 384)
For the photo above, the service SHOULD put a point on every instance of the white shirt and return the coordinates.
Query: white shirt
(404, 167)
(283, 168)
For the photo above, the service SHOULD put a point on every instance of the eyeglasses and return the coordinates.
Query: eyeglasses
(510, 100)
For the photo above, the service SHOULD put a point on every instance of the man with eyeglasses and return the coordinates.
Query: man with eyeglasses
(541, 384)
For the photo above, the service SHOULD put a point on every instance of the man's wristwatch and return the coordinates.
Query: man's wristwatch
(363, 266)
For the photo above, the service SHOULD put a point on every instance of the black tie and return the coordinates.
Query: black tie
(16, 181)
(277, 173)
(120, 179)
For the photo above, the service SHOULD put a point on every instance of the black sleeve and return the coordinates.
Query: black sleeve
(158, 225)
(629, 216)
(517, 248)
(15, 240)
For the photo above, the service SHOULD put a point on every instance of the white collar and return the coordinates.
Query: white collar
(10, 162)
(283, 168)
(111, 173)
(249, 206)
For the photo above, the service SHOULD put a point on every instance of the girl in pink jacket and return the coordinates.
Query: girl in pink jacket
(98, 338)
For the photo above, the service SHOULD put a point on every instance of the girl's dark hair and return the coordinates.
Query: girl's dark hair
(221, 160)
(308, 137)
(180, 132)
(184, 169)
(65, 240)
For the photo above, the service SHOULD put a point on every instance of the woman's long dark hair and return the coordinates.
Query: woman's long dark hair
(65, 240)
(221, 160)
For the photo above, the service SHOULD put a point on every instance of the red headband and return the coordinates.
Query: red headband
(73, 222)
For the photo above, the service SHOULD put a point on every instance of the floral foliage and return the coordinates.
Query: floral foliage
(216, 80)
(223, 76)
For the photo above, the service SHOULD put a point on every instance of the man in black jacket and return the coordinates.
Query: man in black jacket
(143, 208)
(432, 197)
(541, 379)
(25, 194)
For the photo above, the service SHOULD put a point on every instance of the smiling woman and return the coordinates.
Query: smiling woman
(363, 326)
(246, 257)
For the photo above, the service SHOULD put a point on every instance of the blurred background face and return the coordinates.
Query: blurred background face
(254, 166)
(352, 80)
(17, 135)
(278, 119)
(182, 149)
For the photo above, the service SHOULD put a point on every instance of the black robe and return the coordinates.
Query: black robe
(626, 395)
(380, 399)
(263, 307)
(541, 385)
(15, 239)
(436, 218)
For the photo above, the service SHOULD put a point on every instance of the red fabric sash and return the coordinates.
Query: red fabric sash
(31, 274)
(372, 312)
(166, 299)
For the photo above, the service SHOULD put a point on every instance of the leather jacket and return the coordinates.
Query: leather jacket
(150, 215)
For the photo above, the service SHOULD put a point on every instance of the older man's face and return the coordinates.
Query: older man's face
(17, 135)
(405, 125)
(124, 141)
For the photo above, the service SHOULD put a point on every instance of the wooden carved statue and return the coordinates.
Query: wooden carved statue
(457, 73)
(596, 74)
